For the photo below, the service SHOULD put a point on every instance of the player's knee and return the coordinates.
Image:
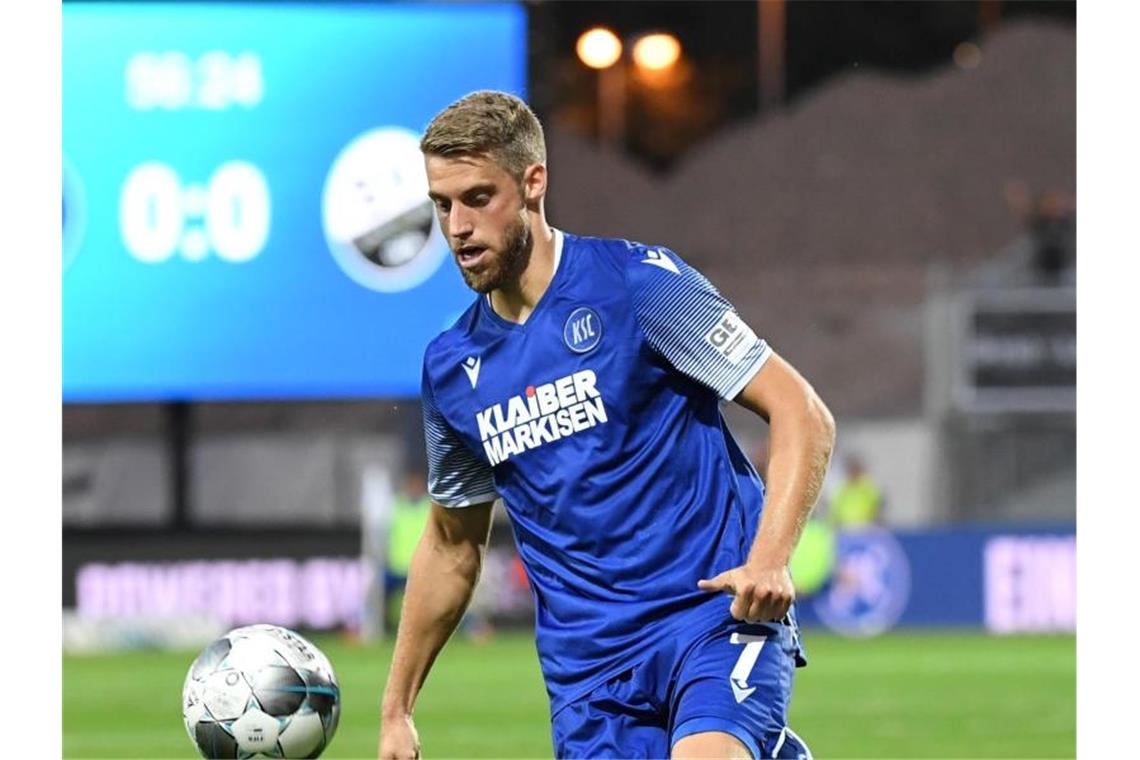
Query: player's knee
(783, 745)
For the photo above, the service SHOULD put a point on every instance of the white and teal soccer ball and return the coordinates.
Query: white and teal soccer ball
(261, 691)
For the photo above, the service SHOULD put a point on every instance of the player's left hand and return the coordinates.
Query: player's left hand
(760, 594)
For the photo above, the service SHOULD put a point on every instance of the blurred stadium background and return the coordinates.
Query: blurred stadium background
(885, 190)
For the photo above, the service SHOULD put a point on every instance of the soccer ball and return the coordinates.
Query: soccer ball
(261, 691)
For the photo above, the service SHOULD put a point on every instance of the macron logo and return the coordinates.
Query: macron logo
(471, 367)
(739, 693)
(660, 260)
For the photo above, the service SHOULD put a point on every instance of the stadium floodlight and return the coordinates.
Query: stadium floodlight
(656, 52)
(599, 48)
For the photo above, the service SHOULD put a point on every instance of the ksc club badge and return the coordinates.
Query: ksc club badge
(583, 330)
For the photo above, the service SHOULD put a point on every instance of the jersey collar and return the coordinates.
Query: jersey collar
(486, 300)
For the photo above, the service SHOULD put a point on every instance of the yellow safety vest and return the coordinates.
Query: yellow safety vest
(408, 521)
(856, 503)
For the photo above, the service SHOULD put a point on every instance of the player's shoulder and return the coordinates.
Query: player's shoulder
(628, 256)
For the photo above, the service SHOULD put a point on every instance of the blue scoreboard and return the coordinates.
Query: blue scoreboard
(244, 203)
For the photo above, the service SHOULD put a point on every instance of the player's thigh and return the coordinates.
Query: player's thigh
(785, 745)
(617, 720)
(710, 744)
(736, 681)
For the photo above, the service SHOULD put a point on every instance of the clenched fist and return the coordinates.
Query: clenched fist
(760, 594)
(399, 740)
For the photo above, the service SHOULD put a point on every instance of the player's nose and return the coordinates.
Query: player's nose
(459, 223)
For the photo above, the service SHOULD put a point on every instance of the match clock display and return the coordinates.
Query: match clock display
(244, 206)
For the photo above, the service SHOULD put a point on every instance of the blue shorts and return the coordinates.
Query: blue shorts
(735, 677)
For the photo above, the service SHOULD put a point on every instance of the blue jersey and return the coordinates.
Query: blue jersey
(598, 423)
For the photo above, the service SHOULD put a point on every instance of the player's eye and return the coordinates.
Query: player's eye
(442, 206)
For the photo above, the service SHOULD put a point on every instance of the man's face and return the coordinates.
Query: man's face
(482, 215)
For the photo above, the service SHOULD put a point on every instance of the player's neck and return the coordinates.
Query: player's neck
(516, 302)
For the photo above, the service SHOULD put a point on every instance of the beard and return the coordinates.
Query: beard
(506, 266)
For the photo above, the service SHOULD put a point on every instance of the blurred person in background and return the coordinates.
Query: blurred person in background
(410, 509)
(640, 512)
(858, 499)
(1050, 222)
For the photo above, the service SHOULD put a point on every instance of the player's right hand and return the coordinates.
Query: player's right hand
(399, 740)
(760, 594)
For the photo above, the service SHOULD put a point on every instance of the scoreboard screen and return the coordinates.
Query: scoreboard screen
(245, 212)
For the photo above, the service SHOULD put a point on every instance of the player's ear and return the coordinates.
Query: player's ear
(534, 183)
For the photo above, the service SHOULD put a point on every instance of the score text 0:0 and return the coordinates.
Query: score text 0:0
(159, 215)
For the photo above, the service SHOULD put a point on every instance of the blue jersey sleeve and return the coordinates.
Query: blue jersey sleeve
(692, 325)
(456, 477)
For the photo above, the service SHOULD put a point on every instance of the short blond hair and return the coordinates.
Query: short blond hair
(492, 123)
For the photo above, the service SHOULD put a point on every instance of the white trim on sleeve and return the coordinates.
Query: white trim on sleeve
(748, 373)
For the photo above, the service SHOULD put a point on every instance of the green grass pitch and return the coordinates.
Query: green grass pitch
(920, 695)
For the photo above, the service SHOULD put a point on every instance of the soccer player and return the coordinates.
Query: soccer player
(583, 388)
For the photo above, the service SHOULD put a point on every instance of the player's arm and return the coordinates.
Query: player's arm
(801, 437)
(442, 577)
(689, 323)
(443, 573)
